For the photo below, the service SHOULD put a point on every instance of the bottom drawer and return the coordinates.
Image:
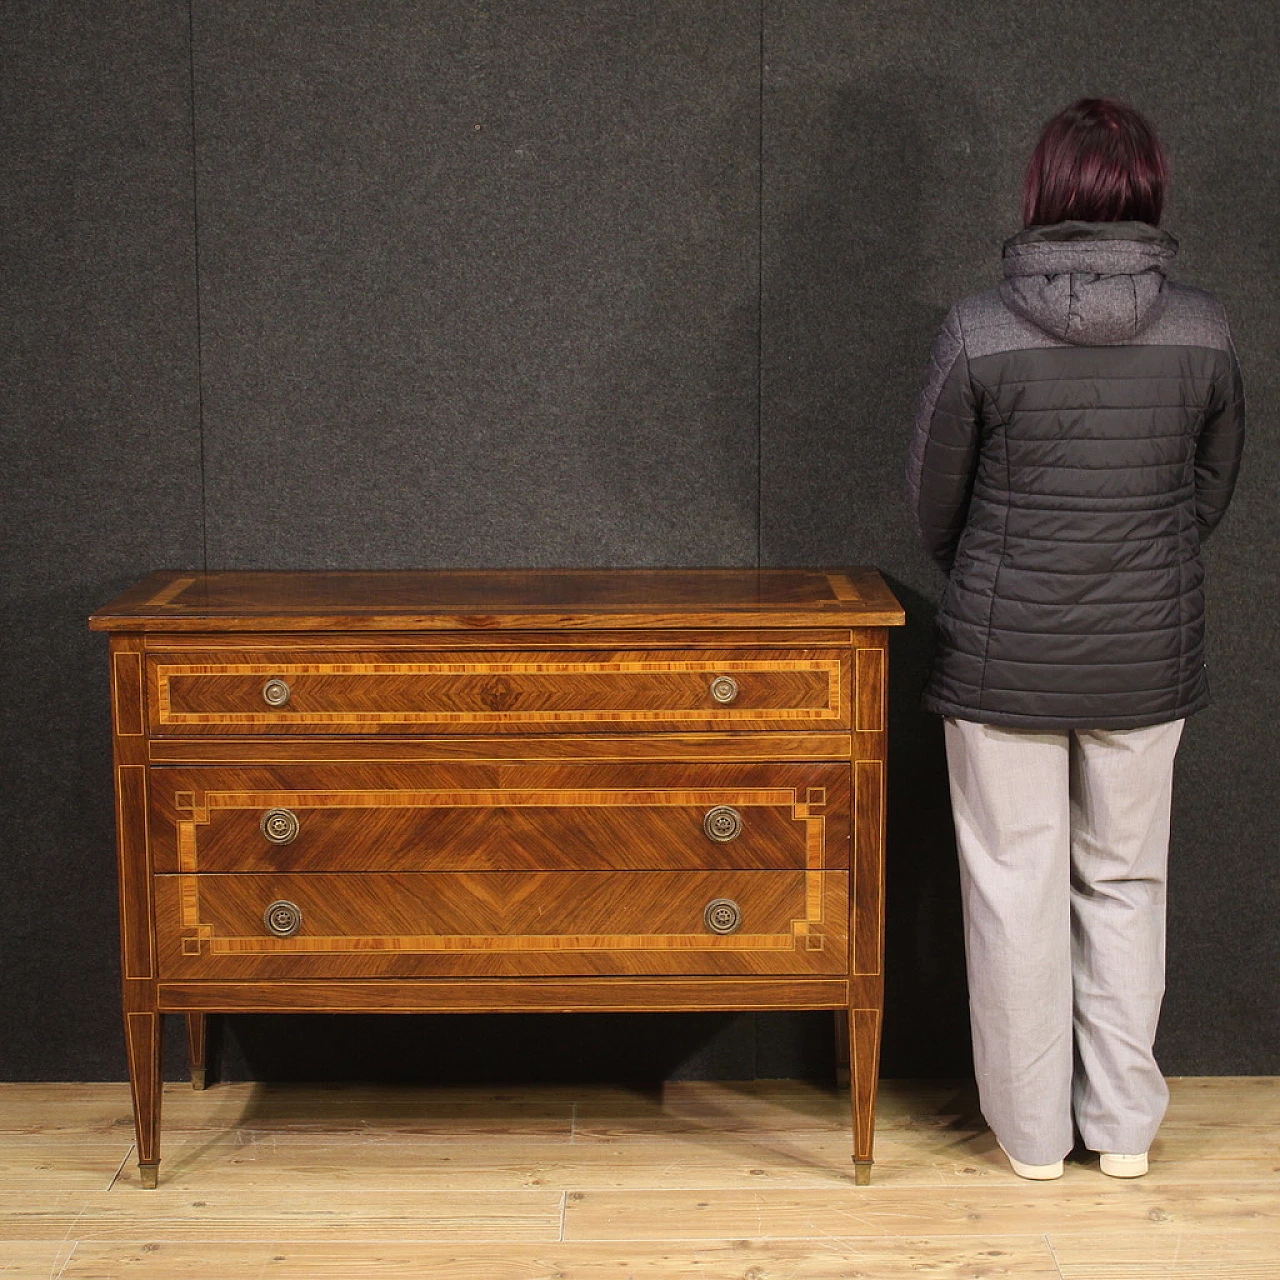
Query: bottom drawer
(501, 923)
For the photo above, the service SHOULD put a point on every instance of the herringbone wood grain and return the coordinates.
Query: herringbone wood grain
(491, 692)
(381, 924)
(491, 818)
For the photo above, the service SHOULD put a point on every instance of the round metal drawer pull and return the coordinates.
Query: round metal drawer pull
(280, 826)
(276, 692)
(722, 823)
(282, 918)
(722, 915)
(724, 688)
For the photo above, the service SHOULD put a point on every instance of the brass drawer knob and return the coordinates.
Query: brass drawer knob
(724, 688)
(722, 915)
(282, 918)
(280, 826)
(722, 823)
(276, 692)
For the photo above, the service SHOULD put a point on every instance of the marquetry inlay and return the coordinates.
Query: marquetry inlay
(489, 798)
(841, 587)
(502, 790)
(167, 596)
(625, 691)
(267, 945)
(127, 703)
(868, 863)
(201, 810)
(869, 684)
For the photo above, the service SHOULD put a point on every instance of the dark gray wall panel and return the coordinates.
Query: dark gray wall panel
(479, 282)
(894, 142)
(535, 342)
(100, 475)
(479, 286)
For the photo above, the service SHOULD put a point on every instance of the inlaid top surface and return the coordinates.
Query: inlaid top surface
(500, 599)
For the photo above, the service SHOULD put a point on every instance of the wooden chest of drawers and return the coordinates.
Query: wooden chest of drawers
(500, 791)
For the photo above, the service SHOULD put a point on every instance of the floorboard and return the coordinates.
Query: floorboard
(713, 1181)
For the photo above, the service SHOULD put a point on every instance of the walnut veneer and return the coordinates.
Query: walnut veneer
(500, 790)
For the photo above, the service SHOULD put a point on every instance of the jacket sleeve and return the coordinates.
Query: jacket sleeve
(944, 446)
(1219, 446)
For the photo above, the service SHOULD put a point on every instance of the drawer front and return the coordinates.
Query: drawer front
(497, 692)
(519, 817)
(501, 923)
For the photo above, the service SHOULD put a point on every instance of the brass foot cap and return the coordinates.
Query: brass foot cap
(149, 1175)
(862, 1173)
(197, 1077)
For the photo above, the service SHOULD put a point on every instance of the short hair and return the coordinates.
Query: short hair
(1097, 160)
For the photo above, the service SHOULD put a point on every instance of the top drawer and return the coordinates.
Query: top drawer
(245, 692)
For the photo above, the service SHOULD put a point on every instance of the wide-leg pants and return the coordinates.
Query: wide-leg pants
(1063, 839)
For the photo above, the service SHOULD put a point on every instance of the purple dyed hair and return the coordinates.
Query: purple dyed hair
(1097, 160)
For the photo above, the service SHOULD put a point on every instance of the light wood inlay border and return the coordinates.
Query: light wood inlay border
(866, 940)
(165, 597)
(523, 944)
(842, 588)
(868, 682)
(565, 748)
(492, 797)
(135, 869)
(831, 667)
(127, 705)
(815, 874)
(865, 1040)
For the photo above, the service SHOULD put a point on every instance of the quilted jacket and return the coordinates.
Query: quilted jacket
(1078, 436)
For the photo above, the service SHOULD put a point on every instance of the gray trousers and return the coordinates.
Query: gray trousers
(1063, 839)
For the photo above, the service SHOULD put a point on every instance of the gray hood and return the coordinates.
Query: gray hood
(1095, 284)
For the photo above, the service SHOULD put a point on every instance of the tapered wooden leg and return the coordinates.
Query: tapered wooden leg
(864, 1060)
(142, 1038)
(197, 1047)
(842, 1048)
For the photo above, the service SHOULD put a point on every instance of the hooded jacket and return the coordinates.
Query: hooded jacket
(1078, 436)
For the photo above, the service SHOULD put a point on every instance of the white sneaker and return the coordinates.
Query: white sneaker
(1118, 1166)
(1036, 1172)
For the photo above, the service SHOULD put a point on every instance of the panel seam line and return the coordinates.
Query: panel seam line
(195, 249)
(760, 304)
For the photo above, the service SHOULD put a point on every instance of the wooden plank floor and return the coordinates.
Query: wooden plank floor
(714, 1181)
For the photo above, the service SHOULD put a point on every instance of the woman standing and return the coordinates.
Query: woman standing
(1078, 437)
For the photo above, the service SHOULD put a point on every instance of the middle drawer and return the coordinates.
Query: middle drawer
(617, 816)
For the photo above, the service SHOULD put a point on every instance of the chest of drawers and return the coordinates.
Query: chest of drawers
(534, 790)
